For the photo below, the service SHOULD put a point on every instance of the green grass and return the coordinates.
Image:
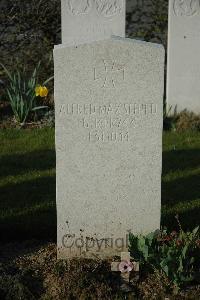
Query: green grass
(28, 184)
(181, 179)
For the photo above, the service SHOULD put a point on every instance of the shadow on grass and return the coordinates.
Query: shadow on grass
(180, 160)
(28, 210)
(18, 164)
(189, 219)
(181, 191)
(39, 191)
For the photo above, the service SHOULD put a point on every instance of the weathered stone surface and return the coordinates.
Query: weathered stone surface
(109, 102)
(183, 88)
(92, 20)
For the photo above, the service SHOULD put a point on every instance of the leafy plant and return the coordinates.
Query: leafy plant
(184, 120)
(187, 120)
(21, 93)
(175, 254)
(29, 30)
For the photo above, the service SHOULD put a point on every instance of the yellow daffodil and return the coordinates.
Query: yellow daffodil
(41, 91)
(37, 91)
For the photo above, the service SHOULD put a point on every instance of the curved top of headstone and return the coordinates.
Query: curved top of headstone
(186, 8)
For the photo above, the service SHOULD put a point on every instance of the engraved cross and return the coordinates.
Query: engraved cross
(109, 74)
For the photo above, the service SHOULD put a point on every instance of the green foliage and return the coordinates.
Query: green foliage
(21, 93)
(27, 173)
(187, 120)
(149, 21)
(184, 120)
(28, 32)
(176, 254)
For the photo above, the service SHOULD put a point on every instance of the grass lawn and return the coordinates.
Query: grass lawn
(181, 179)
(28, 182)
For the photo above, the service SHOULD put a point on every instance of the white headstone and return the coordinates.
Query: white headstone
(109, 102)
(183, 80)
(92, 20)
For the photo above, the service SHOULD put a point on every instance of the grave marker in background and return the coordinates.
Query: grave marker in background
(92, 20)
(183, 88)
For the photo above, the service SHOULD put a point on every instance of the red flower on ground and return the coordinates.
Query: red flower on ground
(198, 243)
(179, 243)
(125, 266)
(167, 238)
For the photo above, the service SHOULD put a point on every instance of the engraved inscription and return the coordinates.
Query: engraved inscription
(108, 137)
(107, 122)
(186, 8)
(109, 74)
(79, 7)
(93, 109)
(109, 8)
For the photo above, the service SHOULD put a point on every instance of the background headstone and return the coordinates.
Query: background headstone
(109, 103)
(183, 80)
(92, 20)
